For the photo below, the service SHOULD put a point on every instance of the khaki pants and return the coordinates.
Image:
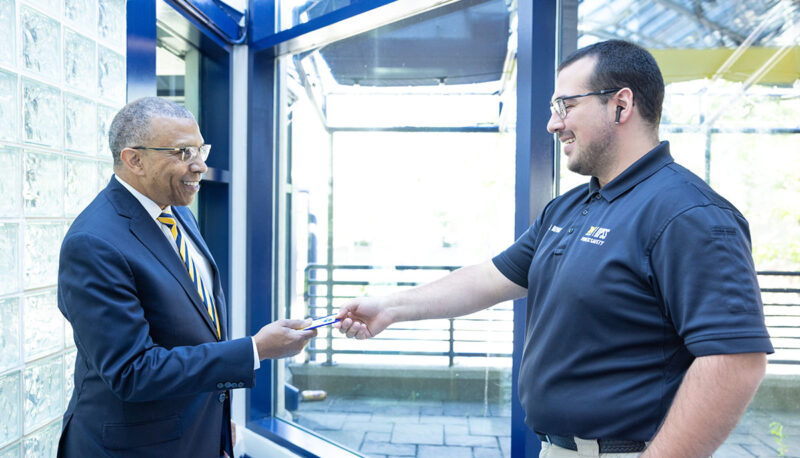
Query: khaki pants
(586, 448)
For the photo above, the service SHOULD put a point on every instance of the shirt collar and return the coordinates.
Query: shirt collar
(150, 207)
(647, 165)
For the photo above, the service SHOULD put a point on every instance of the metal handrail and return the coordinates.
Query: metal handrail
(787, 292)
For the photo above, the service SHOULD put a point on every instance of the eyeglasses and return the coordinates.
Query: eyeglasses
(558, 107)
(185, 153)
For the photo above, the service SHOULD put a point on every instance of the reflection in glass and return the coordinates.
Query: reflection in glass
(9, 333)
(111, 22)
(41, 189)
(44, 442)
(44, 384)
(81, 12)
(80, 184)
(9, 185)
(9, 259)
(9, 406)
(79, 120)
(42, 244)
(42, 325)
(8, 105)
(42, 113)
(7, 29)
(104, 117)
(295, 12)
(79, 62)
(110, 74)
(41, 47)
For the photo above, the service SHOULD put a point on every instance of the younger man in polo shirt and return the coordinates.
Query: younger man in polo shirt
(645, 331)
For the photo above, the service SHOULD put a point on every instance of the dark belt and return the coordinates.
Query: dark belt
(606, 445)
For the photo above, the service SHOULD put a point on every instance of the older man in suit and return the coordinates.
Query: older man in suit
(138, 284)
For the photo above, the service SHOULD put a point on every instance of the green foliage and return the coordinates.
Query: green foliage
(776, 429)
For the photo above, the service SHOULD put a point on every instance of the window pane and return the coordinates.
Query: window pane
(42, 325)
(42, 188)
(10, 342)
(402, 152)
(42, 114)
(9, 258)
(41, 44)
(9, 404)
(42, 245)
(44, 382)
(8, 106)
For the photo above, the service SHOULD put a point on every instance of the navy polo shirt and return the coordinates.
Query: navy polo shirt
(627, 284)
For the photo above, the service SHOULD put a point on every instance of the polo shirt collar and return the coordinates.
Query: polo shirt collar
(647, 165)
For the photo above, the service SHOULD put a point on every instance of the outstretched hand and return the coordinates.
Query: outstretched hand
(283, 338)
(363, 318)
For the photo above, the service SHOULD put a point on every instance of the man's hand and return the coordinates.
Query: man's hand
(282, 338)
(363, 318)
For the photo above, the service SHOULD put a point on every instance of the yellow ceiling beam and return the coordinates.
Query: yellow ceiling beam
(691, 64)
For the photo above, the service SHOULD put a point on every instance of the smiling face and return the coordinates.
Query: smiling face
(162, 176)
(587, 134)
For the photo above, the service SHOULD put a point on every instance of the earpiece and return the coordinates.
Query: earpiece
(619, 110)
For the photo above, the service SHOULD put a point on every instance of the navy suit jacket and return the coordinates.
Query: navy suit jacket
(151, 377)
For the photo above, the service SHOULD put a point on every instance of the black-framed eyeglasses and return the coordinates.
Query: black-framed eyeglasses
(185, 153)
(558, 107)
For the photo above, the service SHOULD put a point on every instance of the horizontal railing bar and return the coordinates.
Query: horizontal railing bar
(395, 339)
(779, 273)
(369, 267)
(406, 353)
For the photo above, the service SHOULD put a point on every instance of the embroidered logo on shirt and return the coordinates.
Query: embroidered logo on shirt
(555, 228)
(596, 235)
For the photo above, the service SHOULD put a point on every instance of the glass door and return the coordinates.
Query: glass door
(399, 146)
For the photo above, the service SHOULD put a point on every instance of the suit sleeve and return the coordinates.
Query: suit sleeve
(97, 295)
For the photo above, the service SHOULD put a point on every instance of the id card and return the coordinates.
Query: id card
(324, 321)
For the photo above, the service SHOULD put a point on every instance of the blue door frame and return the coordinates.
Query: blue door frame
(535, 160)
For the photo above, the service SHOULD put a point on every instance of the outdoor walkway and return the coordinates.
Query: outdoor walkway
(422, 429)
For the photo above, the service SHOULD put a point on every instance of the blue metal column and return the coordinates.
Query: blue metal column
(141, 49)
(261, 153)
(535, 167)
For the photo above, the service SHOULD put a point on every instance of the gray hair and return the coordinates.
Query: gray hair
(131, 126)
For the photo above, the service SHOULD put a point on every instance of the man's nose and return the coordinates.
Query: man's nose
(555, 123)
(198, 165)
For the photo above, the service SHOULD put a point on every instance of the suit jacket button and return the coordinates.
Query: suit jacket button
(222, 397)
(220, 385)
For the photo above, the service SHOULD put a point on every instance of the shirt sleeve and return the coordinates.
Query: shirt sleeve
(702, 266)
(256, 361)
(515, 261)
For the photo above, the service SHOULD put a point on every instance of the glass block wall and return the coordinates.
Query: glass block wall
(62, 78)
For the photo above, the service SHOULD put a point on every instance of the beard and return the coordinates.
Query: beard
(595, 158)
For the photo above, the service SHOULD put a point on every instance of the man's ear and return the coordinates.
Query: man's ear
(132, 161)
(623, 105)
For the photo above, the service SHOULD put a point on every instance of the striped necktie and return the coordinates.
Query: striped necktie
(183, 248)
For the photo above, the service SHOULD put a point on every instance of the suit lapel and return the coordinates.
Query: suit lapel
(149, 234)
